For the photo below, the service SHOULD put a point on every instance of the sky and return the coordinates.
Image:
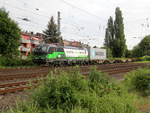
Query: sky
(82, 20)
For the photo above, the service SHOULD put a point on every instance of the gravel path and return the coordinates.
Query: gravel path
(10, 100)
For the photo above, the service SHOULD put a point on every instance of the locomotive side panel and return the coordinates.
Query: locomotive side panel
(76, 53)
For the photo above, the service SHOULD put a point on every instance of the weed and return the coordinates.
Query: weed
(139, 81)
(72, 93)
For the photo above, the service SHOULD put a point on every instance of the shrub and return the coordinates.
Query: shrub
(5, 61)
(115, 104)
(144, 58)
(139, 81)
(25, 108)
(72, 93)
(102, 84)
(60, 91)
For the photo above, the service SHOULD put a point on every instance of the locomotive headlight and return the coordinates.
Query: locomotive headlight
(59, 56)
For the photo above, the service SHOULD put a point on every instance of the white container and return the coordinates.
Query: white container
(97, 54)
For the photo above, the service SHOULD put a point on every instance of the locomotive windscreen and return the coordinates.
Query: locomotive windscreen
(40, 49)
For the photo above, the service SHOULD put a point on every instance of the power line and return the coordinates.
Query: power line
(18, 8)
(77, 26)
(24, 10)
(67, 3)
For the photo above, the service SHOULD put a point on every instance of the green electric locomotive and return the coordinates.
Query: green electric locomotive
(60, 55)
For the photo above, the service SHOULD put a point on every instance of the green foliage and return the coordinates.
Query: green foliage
(145, 58)
(114, 36)
(109, 36)
(6, 62)
(136, 52)
(119, 41)
(72, 93)
(25, 108)
(143, 48)
(52, 34)
(102, 84)
(115, 104)
(139, 81)
(9, 35)
(128, 53)
(61, 92)
(109, 53)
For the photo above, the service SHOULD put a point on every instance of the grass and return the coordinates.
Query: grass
(72, 93)
(143, 104)
(138, 83)
(9, 67)
(15, 62)
(142, 62)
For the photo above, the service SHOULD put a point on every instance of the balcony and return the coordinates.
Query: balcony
(25, 41)
(24, 49)
(36, 42)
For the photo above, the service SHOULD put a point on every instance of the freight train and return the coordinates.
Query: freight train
(67, 55)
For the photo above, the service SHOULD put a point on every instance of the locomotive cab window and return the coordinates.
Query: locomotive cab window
(51, 49)
(60, 50)
(43, 49)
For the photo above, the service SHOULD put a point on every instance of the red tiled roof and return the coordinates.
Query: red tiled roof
(27, 37)
(35, 38)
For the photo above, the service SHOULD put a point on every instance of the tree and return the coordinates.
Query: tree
(52, 34)
(143, 48)
(119, 41)
(128, 53)
(114, 37)
(136, 52)
(109, 37)
(9, 35)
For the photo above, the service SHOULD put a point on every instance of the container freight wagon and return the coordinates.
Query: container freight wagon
(96, 55)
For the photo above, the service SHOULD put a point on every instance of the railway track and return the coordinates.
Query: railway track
(27, 80)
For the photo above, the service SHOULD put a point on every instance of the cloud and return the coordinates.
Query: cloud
(82, 19)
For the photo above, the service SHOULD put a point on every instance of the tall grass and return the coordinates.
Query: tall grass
(139, 81)
(15, 62)
(72, 93)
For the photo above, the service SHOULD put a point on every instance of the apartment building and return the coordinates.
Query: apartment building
(28, 43)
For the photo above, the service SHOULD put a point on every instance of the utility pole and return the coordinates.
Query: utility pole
(58, 22)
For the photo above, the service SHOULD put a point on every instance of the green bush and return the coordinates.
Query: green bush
(102, 84)
(4, 61)
(25, 108)
(145, 58)
(61, 91)
(115, 104)
(139, 81)
(72, 93)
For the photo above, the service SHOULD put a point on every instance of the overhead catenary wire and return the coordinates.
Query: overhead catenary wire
(71, 5)
(78, 28)
(24, 10)
(82, 10)
(45, 16)
(40, 25)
